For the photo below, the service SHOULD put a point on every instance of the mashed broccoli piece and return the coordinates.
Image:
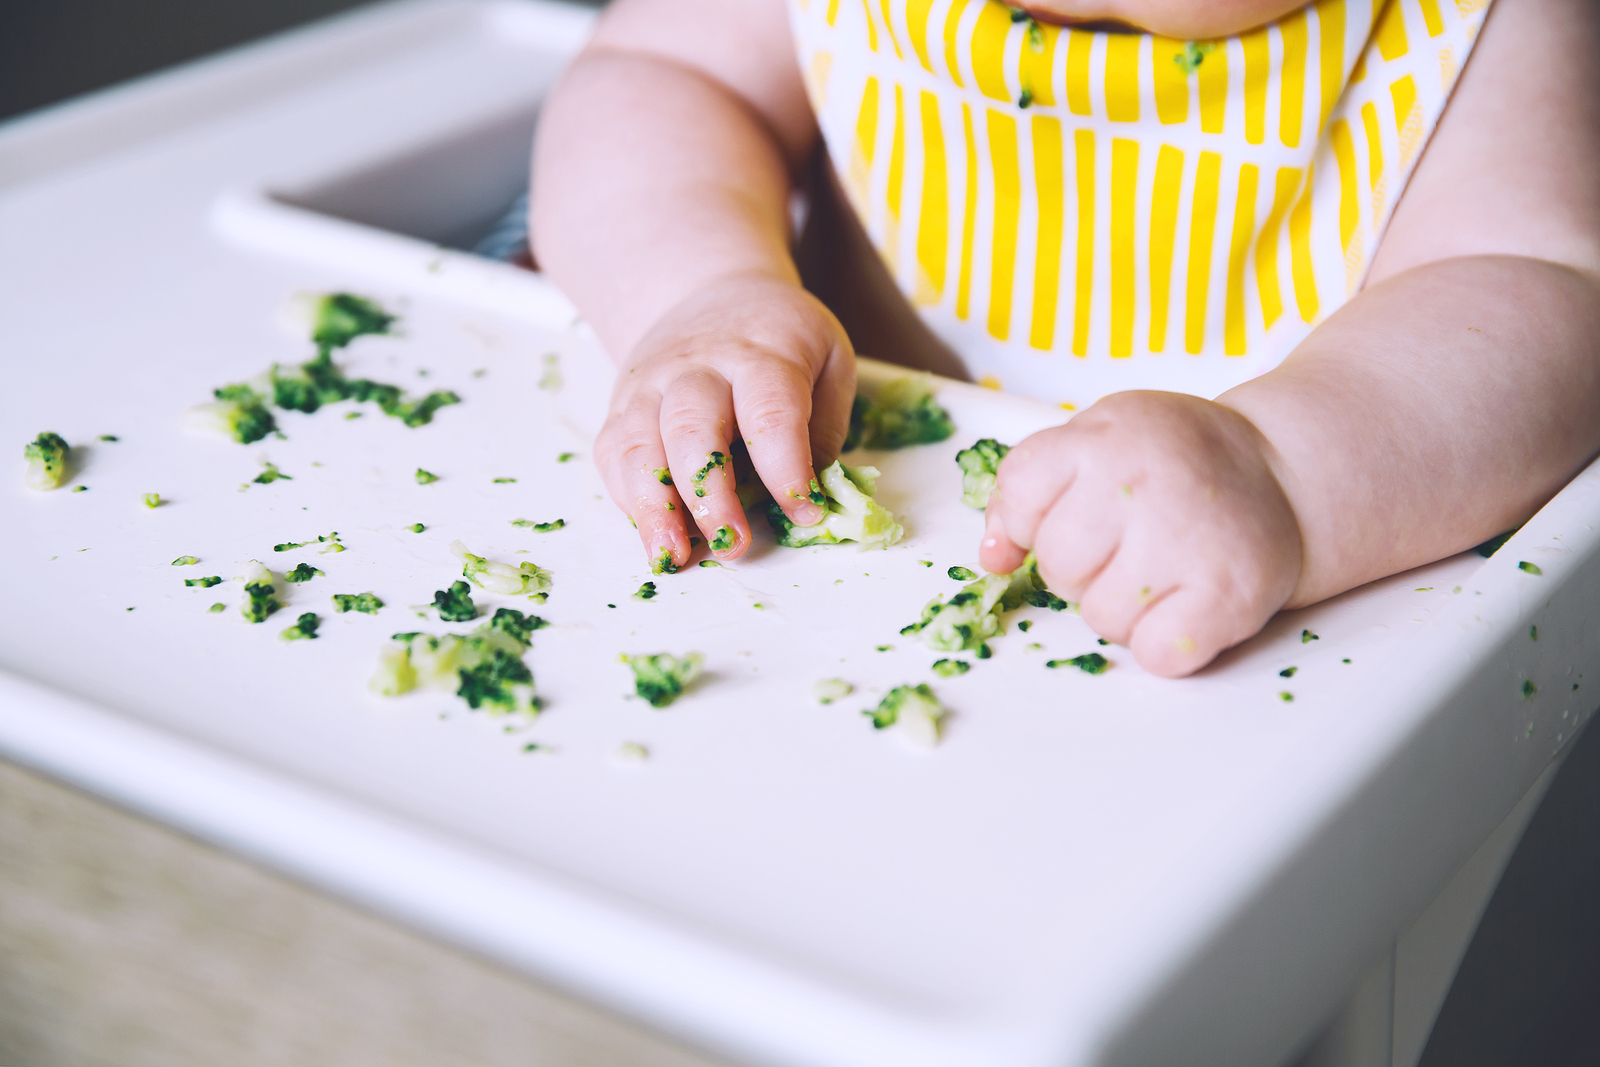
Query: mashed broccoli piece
(304, 628)
(1088, 663)
(722, 540)
(852, 514)
(950, 668)
(972, 616)
(186, 561)
(47, 461)
(830, 689)
(238, 412)
(366, 603)
(526, 579)
(900, 412)
(540, 527)
(663, 564)
(152, 500)
(915, 710)
(714, 461)
(647, 591)
(483, 667)
(455, 604)
(339, 318)
(978, 466)
(303, 572)
(260, 593)
(424, 477)
(203, 583)
(269, 474)
(661, 678)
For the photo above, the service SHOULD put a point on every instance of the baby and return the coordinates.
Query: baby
(1101, 202)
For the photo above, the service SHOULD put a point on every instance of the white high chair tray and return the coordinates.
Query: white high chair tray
(1090, 869)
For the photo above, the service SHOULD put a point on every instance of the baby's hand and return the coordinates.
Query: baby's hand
(749, 354)
(1160, 514)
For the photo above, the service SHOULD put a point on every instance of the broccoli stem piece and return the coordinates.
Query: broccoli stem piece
(661, 678)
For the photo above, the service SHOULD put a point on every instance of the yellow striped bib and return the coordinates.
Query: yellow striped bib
(1079, 212)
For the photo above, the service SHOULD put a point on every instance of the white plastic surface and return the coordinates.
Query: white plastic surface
(1116, 869)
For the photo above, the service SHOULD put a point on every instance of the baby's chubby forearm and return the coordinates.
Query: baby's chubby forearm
(661, 187)
(1438, 408)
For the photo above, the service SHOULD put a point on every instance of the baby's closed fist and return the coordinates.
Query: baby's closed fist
(1161, 515)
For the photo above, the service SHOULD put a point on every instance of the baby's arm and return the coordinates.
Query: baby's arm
(1445, 403)
(660, 205)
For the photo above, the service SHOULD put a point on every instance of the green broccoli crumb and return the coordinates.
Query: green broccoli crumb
(303, 572)
(425, 477)
(152, 500)
(722, 540)
(1529, 689)
(1025, 99)
(709, 563)
(714, 461)
(260, 593)
(47, 461)
(663, 563)
(850, 513)
(80, 489)
(1101, 641)
(186, 561)
(1529, 568)
(269, 474)
(416, 527)
(1533, 633)
(663, 475)
(109, 437)
(217, 607)
(1286, 697)
(662, 678)
(949, 668)
(1306, 637)
(503, 481)
(565, 457)
(962, 574)
(305, 627)
(1025, 625)
(1088, 663)
(203, 583)
(816, 496)
(1288, 672)
(339, 318)
(366, 603)
(926, 562)
(647, 591)
(1193, 54)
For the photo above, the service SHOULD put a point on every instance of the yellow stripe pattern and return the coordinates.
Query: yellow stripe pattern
(1157, 211)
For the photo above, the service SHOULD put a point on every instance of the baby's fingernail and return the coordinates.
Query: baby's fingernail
(807, 514)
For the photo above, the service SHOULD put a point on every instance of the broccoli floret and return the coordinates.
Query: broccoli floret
(661, 678)
(455, 604)
(203, 583)
(366, 603)
(978, 466)
(483, 667)
(260, 593)
(305, 627)
(830, 689)
(526, 579)
(1088, 663)
(714, 461)
(722, 540)
(914, 709)
(339, 318)
(515, 624)
(647, 591)
(47, 461)
(424, 477)
(949, 668)
(663, 564)
(901, 412)
(852, 514)
(303, 572)
(240, 412)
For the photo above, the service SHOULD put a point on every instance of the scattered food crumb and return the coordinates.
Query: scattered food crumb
(504, 481)
(181, 561)
(950, 668)
(962, 574)
(647, 591)
(1088, 663)
(1533, 633)
(424, 477)
(109, 437)
(661, 678)
(270, 473)
(1529, 689)
(416, 527)
(830, 689)
(631, 752)
(80, 489)
(217, 607)
(203, 583)
(304, 628)
(885, 648)
(152, 500)
(926, 562)
(565, 457)
(1286, 697)
(709, 563)
(1529, 568)
(1287, 672)
(1025, 625)
(1101, 641)
(366, 603)
(1306, 637)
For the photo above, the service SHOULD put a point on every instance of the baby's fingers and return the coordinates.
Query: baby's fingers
(773, 404)
(1186, 630)
(696, 427)
(634, 466)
